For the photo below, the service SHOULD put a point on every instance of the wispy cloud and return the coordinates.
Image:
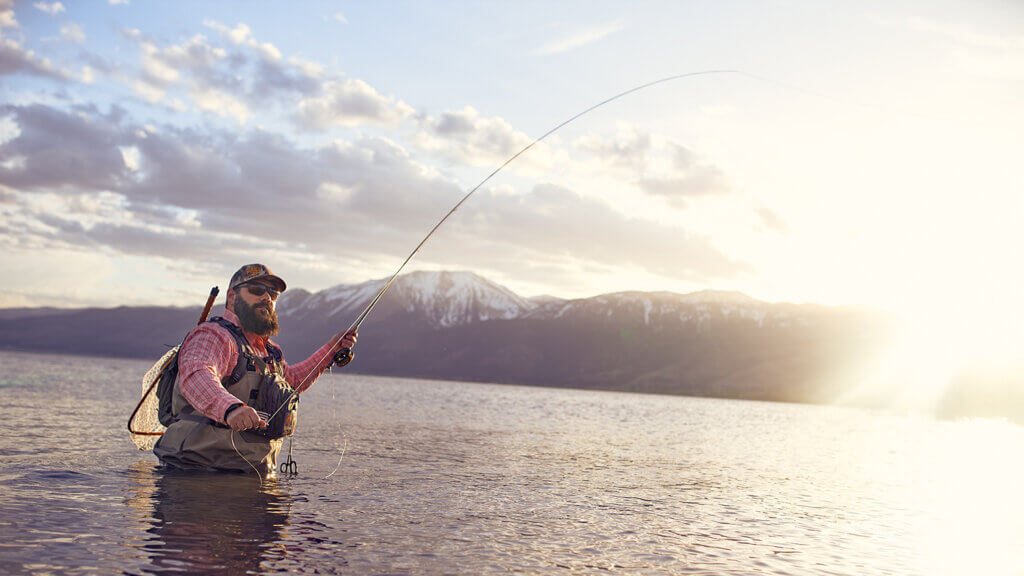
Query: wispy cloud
(116, 2)
(15, 59)
(466, 136)
(340, 17)
(350, 102)
(579, 39)
(72, 32)
(51, 9)
(7, 18)
(658, 165)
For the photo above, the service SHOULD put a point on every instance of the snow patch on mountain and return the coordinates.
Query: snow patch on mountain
(455, 298)
(445, 298)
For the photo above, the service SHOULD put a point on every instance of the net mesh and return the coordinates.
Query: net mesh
(145, 427)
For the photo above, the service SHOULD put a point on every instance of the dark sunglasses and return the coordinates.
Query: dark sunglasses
(258, 290)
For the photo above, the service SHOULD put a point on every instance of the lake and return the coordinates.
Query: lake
(460, 478)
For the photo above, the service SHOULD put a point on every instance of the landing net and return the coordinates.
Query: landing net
(144, 427)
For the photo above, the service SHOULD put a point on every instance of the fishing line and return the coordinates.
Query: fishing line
(258, 475)
(341, 355)
(369, 307)
(334, 406)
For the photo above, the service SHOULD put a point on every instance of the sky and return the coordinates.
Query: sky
(855, 153)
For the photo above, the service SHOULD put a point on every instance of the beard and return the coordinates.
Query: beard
(260, 319)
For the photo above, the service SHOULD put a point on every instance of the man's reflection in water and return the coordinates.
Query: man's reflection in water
(215, 523)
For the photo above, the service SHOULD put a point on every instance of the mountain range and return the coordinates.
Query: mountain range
(461, 326)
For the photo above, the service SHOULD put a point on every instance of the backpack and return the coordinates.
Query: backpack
(165, 388)
(169, 373)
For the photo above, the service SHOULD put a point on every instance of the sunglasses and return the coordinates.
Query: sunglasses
(259, 290)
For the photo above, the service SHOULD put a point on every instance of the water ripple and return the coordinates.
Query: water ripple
(447, 478)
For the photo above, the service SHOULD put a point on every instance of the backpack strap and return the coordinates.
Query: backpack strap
(246, 355)
(274, 351)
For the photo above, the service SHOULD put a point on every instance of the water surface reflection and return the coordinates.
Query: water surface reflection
(444, 478)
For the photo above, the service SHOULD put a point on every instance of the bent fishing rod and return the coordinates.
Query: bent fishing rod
(344, 356)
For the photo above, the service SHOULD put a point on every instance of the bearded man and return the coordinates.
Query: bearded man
(228, 365)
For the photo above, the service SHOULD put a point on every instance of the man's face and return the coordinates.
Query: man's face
(256, 313)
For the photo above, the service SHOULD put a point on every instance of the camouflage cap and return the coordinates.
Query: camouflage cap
(257, 273)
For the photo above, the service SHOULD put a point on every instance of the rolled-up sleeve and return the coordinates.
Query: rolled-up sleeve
(302, 375)
(208, 354)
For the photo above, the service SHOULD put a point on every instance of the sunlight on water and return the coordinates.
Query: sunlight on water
(969, 483)
(444, 477)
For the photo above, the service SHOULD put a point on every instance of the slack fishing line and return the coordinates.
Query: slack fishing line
(344, 356)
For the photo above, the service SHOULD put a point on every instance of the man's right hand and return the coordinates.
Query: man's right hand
(244, 418)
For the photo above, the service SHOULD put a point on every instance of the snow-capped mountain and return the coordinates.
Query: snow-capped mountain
(446, 299)
(443, 299)
(659, 308)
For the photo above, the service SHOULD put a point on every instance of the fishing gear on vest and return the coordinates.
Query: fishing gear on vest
(191, 439)
(272, 395)
(194, 441)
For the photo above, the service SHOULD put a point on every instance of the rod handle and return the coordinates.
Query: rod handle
(209, 304)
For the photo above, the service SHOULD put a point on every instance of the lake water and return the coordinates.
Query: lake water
(456, 478)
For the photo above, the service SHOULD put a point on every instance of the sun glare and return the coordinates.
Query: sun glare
(949, 336)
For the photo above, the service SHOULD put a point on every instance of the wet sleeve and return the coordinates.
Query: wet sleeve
(207, 356)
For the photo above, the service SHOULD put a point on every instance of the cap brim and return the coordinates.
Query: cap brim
(270, 280)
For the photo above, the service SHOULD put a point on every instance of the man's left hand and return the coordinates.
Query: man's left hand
(347, 339)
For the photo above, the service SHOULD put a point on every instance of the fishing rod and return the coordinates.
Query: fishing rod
(344, 356)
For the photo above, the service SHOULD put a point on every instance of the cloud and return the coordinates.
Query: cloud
(63, 150)
(579, 39)
(659, 166)
(17, 60)
(308, 68)
(770, 220)
(8, 129)
(228, 75)
(241, 34)
(159, 66)
(220, 103)
(116, 2)
(465, 136)
(196, 66)
(238, 35)
(350, 102)
(552, 227)
(51, 9)
(685, 178)
(628, 149)
(72, 32)
(7, 18)
(94, 178)
(231, 183)
(340, 17)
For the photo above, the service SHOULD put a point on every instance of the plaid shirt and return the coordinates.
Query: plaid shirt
(210, 353)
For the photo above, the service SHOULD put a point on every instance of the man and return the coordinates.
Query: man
(228, 365)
